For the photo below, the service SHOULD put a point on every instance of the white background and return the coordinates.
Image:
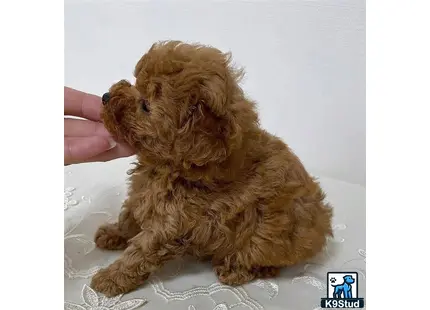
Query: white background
(305, 63)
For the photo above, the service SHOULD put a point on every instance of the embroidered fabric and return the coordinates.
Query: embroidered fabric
(93, 195)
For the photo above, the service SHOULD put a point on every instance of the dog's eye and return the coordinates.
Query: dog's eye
(145, 105)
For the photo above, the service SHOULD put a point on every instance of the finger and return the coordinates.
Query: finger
(120, 151)
(78, 150)
(83, 128)
(80, 104)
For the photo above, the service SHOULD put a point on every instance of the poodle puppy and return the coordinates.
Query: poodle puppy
(209, 181)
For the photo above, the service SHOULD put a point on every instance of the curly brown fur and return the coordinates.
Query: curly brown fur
(209, 181)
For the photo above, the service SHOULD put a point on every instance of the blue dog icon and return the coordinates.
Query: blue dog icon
(344, 288)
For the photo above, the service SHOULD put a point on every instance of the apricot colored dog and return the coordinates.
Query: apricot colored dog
(209, 181)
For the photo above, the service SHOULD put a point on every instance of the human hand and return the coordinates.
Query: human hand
(87, 140)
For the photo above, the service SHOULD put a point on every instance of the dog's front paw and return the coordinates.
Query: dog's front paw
(110, 282)
(109, 237)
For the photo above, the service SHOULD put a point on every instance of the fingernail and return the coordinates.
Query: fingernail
(112, 143)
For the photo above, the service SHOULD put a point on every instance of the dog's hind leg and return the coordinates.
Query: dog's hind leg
(241, 275)
(232, 271)
(116, 236)
(336, 293)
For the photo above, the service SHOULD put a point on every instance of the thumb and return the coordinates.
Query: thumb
(80, 149)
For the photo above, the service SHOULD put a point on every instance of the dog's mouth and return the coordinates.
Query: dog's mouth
(118, 116)
(118, 101)
(112, 113)
(119, 111)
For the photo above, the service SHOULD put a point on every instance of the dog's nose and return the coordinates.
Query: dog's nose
(105, 98)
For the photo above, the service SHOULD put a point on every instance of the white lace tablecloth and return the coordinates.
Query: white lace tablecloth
(93, 194)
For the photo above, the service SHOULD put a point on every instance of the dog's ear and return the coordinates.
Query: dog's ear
(208, 130)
